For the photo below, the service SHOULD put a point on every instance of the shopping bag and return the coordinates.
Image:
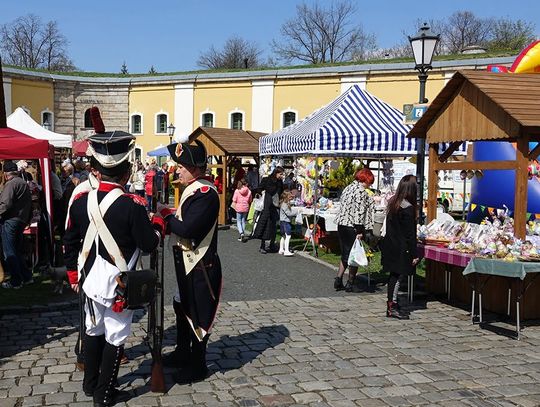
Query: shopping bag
(258, 202)
(357, 256)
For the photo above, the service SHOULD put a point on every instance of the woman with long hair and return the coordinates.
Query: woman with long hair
(399, 256)
(355, 217)
(266, 224)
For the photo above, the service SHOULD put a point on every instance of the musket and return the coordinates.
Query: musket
(155, 324)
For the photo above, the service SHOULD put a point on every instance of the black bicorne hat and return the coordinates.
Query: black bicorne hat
(188, 154)
(110, 148)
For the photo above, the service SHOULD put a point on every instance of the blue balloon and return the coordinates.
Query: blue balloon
(496, 187)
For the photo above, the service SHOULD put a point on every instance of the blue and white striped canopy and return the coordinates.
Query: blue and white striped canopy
(354, 124)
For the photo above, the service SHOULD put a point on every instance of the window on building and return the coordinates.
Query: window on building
(161, 123)
(236, 121)
(47, 120)
(289, 118)
(208, 120)
(136, 124)
(87, 120)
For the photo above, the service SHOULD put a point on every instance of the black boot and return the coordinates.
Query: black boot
(105, 394)
(180, 356)
(392, 311)
(93, 349)
(338, 284)
(197, 371)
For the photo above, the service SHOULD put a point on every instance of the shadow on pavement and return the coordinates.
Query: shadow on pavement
(233, 352)
(226, 353)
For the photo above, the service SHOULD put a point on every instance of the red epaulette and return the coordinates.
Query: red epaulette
(204, 189)
(138, 199)
(79, 195)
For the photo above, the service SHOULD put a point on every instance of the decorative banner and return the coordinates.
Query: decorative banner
(528, 215)
(473, 207)
(537, 215)
(490, 210)
(482, 208)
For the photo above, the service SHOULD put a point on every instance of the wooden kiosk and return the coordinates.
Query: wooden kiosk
(223, 146)
(483, 106)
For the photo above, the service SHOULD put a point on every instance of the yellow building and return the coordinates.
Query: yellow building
(263, 101)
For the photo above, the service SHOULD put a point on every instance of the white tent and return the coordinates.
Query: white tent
(21, 121)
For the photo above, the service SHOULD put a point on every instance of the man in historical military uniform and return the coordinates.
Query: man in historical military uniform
(107, 230)
(198, 269)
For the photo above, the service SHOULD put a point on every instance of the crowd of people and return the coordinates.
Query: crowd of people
(109, 210)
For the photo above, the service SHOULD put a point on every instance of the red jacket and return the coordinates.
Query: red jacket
(149, 182)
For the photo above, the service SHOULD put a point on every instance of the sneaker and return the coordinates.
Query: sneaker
(7, 284)
(31, 281)
(262, 251)
(288, 254)
(241, 238)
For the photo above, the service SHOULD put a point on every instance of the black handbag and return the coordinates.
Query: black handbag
(139, 287)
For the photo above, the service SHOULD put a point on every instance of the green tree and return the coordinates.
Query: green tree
(152, 70)
(511, 35)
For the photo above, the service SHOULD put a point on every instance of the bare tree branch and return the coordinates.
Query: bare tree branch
(318, 35)
(29, 43)
(237, 53)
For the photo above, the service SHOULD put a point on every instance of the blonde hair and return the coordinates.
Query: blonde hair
(285, 197)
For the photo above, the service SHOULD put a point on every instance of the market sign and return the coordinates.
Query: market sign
(413, 112)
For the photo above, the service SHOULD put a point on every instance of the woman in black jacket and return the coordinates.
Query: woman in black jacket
(266, 224)
(399, 256)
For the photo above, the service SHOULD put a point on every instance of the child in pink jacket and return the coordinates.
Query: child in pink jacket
(241, 202)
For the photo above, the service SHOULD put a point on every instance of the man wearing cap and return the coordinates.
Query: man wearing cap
(106, 232)
(15, 213)
(198, 268)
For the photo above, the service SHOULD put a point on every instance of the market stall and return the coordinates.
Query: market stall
(355, 124)
(223, 146)
(484, 106)
(21, 121)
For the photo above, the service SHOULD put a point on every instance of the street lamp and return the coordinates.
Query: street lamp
(423, 47)
(170, 130)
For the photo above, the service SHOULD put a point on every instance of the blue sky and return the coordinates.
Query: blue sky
(171, 34)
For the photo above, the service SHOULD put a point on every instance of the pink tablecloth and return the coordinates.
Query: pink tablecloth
(444, 255)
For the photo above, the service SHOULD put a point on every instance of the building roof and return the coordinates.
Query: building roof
(228, 141)
(478, 105)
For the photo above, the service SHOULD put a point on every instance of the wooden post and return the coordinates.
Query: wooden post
(520, 194)
(432, 183)
(222, 218)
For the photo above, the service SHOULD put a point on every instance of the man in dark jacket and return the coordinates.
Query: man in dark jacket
(198, 269)
(15, 212)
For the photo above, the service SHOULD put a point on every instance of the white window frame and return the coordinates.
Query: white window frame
(156, 132)
(207, 111)
(243, 118)
(47, 111)
(282, 116)
(131, 122)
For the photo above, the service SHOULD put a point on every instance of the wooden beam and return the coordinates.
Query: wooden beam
(432, 183)
(520, 193)
(476, 165)
(533, 155)
(450, 150)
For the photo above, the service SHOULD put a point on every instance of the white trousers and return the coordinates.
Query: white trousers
(116, 326)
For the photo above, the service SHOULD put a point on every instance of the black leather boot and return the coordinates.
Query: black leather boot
(105, 394)
(197, 370)
(93, 349)
(180, 356)
(338, 284)
(392, 311)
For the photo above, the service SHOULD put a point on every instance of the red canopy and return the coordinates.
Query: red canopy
(15, 145)
(80, 147)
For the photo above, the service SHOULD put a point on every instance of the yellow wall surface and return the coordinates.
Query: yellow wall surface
(303, 96)
(400, 89)
(222, 99)
(36, 96)
(150, 101)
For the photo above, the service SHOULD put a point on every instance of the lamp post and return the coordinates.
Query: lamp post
(423, 46)
(170, 130)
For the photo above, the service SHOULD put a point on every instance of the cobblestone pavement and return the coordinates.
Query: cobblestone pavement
(328, 351)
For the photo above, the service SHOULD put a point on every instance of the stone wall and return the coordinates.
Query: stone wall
(72, 99)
